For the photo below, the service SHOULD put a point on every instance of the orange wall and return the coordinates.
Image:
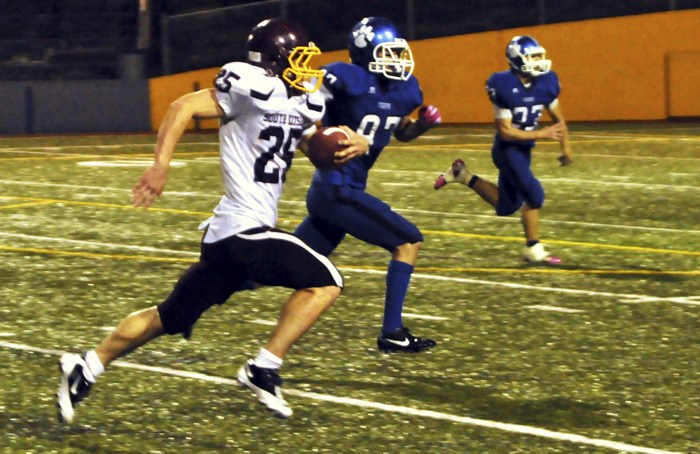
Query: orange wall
(683, 84)
(166, 89)
(626, 68)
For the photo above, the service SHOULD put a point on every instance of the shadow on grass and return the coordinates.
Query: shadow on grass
(649, 275)
(553, 412)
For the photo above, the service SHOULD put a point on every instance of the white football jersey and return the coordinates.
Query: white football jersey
(257, 139)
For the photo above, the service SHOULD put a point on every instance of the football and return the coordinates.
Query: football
(323, 144)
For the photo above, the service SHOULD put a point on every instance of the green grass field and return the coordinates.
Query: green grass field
(598, 355)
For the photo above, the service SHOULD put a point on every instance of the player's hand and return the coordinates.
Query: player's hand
(150, 187)
(554, 132)
(565, 158)
(356, 145)
(429, 116)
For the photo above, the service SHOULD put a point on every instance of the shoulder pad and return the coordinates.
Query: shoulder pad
(494, 85)
(415, 93)
(499, 78)
(346, 77)
(243, 78)
(552, 82)
(316, 106)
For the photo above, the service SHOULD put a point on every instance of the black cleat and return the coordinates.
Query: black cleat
(401, 340)
(267, 385)
(73, 388)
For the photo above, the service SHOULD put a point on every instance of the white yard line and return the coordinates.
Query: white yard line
(516, 220)
(126, 163)
(423, 317)
(405, 185)
(104, 188)
(361, 403)
(258, 321)
(98, 244)
(401, 210)
(544, 307)
(606, 182)
(56, 150)
(622, 297)
(112, 146)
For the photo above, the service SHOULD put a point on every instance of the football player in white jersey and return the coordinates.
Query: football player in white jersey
(267, 105)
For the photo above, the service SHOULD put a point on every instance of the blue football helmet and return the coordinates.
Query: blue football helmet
(376, 44)
(526, 56)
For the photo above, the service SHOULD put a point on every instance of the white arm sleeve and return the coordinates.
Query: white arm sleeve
(501, 113)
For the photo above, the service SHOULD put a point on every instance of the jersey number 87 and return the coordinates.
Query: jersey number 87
(370, 124)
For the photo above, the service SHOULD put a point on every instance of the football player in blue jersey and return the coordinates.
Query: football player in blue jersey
(519, 96)
(373, 95)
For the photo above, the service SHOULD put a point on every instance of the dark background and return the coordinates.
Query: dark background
(113, 39)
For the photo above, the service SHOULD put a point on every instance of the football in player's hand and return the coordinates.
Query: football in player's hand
(323, 144)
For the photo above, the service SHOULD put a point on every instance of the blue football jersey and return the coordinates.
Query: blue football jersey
(526, 104)
(368, 107)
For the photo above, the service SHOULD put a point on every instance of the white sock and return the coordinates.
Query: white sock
(267, 360)
(94, 366)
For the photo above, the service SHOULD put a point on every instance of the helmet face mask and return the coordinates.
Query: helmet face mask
(283, 49)
(374, 43)
(527, 57)
(300, 74)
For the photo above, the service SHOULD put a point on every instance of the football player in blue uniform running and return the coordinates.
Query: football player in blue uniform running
(519, 95)
(373, 95)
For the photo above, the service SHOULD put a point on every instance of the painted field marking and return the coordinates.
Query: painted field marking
(95, 256)
(98, 244)
(73, 156)
(125, 163)
(544, 307)
(258, 321)
(40, 153)
(622, 297)
(366, 269)
(100, 188)
(400, 210)
(564, 243)
(300, 203)
(581, 134)
(109, 205)
(594, 138)
(107, 147)
(549, 269)
(423, 317)
(436, 232)
(516, 220)
(24, 205)
(409, 411)
(405, 185)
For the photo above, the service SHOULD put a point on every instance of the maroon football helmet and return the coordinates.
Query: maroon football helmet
(284, 50)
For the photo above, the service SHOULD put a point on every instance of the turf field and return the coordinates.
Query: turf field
(598, 355)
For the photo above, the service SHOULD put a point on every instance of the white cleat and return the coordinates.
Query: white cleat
(457, 173)
(538, 254)
(73, 386)
(267, 385)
